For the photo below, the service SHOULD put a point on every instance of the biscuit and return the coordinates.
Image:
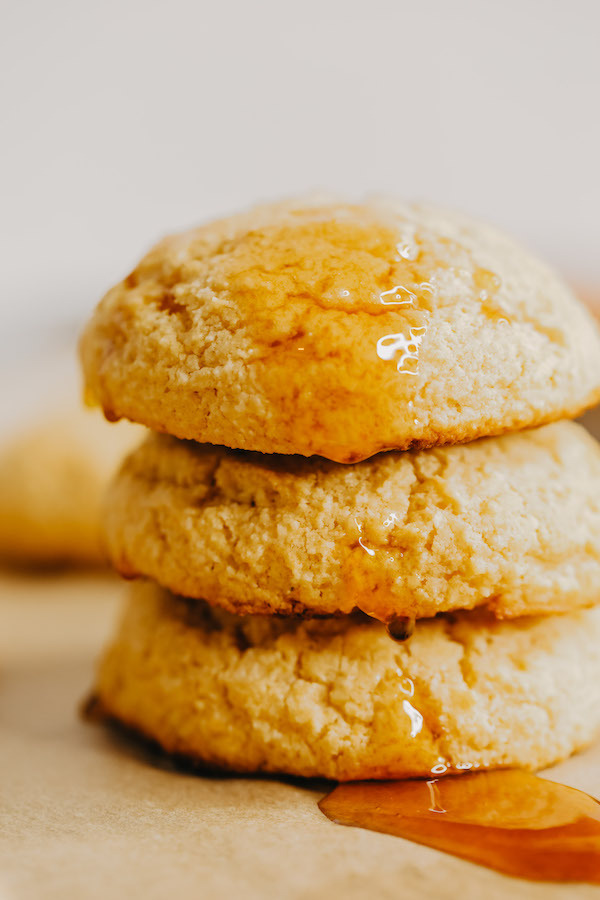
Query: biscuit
(338, 698)
(340, 331)
(52, 479)
(511, 523)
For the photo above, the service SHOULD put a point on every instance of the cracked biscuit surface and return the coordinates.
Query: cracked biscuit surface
(341, 330)
(511, 523)
(338, 698)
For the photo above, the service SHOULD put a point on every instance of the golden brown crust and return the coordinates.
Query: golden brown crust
(341, 331)
(512, 523)
(338, 698)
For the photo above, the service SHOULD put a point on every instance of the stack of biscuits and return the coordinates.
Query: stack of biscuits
(365, 534)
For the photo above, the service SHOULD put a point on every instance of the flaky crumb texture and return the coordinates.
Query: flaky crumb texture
(511, 523)
(341, 330)
(338, 698)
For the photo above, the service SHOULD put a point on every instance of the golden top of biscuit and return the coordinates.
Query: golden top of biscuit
(340, 330)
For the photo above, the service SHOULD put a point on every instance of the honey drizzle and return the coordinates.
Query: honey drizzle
(400, 628)
(510, 821)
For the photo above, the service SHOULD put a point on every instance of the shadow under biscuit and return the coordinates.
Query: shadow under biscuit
(138, 746)
(591, 420)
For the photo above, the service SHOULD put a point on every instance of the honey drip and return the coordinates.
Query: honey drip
(400, 628)
(368, 582)
(511, 821)
(487, 284)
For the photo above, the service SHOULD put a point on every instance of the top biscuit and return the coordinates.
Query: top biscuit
(341, 331)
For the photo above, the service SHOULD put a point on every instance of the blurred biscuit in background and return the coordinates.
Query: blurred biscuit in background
(52, 479)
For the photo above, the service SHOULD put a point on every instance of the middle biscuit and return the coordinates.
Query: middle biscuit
(511, 523)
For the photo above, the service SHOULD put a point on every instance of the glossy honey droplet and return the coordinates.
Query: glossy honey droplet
(510, 821)
(368, 581)
(400, 628)
(403, 348)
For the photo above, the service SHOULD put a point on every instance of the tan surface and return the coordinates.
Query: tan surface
(511, 522)
(87, 817)
(341, 330)
(338, 698)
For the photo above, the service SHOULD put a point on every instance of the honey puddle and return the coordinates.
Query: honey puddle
(511, 821)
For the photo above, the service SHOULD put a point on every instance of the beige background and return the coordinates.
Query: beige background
(129, 118)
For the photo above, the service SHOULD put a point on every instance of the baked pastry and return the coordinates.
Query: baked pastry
(338, 698)
(335, 331)
(341, 330)
(52, 479)
(511, 523)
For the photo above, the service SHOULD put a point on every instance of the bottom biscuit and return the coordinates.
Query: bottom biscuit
(337, 698)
